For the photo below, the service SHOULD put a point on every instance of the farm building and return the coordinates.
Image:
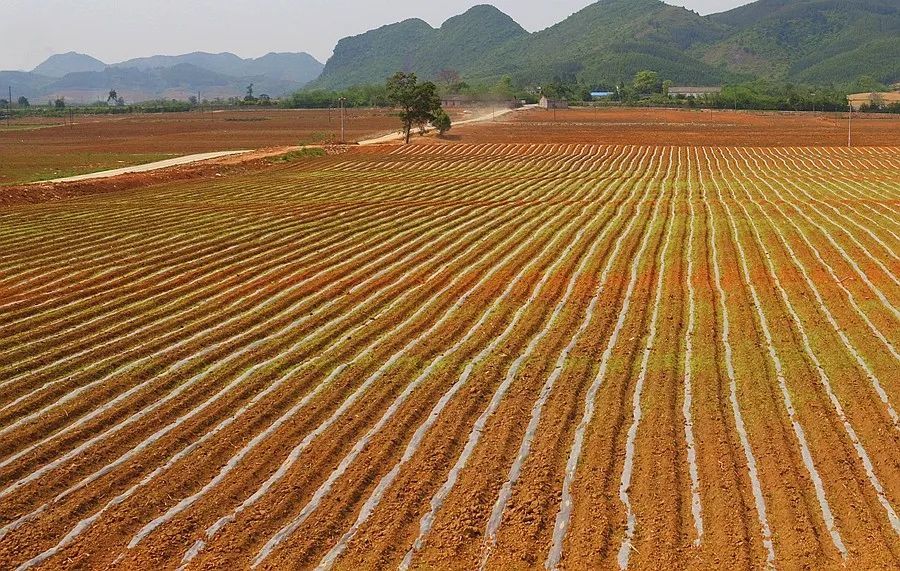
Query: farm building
(873, 99)
(547, 103)
(693, 91)
(600, 94)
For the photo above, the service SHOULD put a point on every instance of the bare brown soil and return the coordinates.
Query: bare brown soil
(90, 144)
(604, 126)
(394, 356)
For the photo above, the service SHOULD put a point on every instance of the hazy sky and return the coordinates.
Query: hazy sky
(116, 30)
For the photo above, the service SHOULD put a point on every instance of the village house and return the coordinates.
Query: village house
(693, 91)
(547, 103)
(873, 99)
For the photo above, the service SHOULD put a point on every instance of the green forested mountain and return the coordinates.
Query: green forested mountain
(813, 41)
(414, 45)
(810, 40)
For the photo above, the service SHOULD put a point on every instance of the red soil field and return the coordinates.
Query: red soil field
(460, 356)
(603, 126)
(97, 143)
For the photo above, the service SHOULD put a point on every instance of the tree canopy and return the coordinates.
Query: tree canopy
(418, 102)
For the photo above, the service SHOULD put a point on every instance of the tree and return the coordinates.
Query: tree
(666, 86)
(59, 102)
(646, 82)
(249, 96)
(418, 102)
(193, 100)
(113, 96)
(441, 121)
(120, 101)
(23, 102)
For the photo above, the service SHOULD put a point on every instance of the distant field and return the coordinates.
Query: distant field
(439, 357)
(684, 127)
(38, 149)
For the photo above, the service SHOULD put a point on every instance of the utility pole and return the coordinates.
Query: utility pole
(342, 99)
(9, 107)
(850, 125)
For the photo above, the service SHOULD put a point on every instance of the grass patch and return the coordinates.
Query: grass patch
(298, 155)
(24, 167)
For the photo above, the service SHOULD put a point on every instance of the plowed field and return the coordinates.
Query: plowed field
(623, 126)
(36, 149)
(498, 356)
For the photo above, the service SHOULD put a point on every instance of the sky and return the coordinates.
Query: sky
(117, 30)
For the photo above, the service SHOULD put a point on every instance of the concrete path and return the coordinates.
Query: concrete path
(398, 135)
(146, 167)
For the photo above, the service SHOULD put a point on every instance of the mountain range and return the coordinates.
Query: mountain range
(83, 78)
(826, 42)
(813, 41)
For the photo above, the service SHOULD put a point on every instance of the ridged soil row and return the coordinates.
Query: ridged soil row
(808, 418)
(872, 246)
(786, 502)
(463, 413)
(265, 451)
(263, 329)
(179, 215)
(62, 338)
(843, 485)
(42, 297)
(264, 332)
(114, 233)
(42, 232)
(530, 427)
(351, 456)
(314, 524)
(534, 394)
(277, 266)
(825, 183)
(461, 509)
(194, 380)
(653, 480)
(589, 517)
(464, 260)
(730, 524)
(79, 292)
(879, 280)
(867, 322)
(137, 338)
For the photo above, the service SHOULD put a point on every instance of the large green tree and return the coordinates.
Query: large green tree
(418, 102)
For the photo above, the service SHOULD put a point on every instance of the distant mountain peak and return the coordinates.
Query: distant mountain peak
(59, 65)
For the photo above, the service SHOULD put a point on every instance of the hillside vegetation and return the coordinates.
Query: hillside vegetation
(813, 41)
